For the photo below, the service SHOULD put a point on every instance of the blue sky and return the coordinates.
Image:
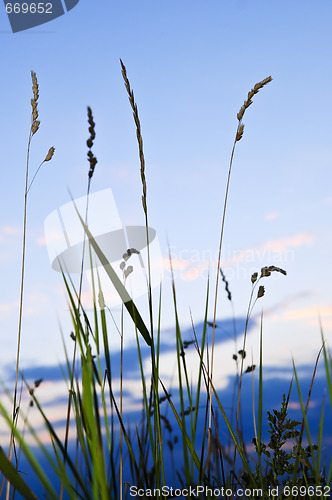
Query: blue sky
(191, 65)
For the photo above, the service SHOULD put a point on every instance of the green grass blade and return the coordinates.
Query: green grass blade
(327, 368)
(92, 422)
(320, 435)
(56, 440)
(124, 295)
(304, 415)
(260, 396)
(184, 433)
(13, 476)
(146, 405)
(30, 456)
(238, 447)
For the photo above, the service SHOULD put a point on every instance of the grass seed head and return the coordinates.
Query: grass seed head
(34, 114)
(239, 133)
(35, 86)
(35, 127)
(254, 278)
(138, 131)
(251, 94)
(267, 270)
(91, 128)
(50, 154)
(91, 157)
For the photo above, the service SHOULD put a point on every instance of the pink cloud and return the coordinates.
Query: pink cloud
(176, 263)
(295, 405)
(266, 250)
(7, 231)
(309, 312)
(196, 263)
(11, 230)
(7, 308)
(271, 216)
(41, 241)
(195, 271)
(283, 244)
(191, 269)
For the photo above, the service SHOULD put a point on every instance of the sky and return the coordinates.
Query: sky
(191, 65)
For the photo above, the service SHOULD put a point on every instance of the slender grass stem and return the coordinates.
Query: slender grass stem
(238, 137)
(92, 163)
(121, 403)
(18, 350)
(218, 270)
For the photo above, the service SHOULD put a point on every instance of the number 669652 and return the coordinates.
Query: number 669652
(32, 8)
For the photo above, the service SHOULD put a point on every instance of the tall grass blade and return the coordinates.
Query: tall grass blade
(260, 396)
(30, 456)
(14, 477)
(124, 295)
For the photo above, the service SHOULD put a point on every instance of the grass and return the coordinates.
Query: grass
(179, 434)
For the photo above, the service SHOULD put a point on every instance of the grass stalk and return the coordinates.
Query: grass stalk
(238, 137)
(34, 126)
(157, 424)
(92, 164)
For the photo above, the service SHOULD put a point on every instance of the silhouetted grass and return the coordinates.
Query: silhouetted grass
(112, 456)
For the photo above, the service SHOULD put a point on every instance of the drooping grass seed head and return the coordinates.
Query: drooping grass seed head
(138, 133)
(267, 270)
(251, 94)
